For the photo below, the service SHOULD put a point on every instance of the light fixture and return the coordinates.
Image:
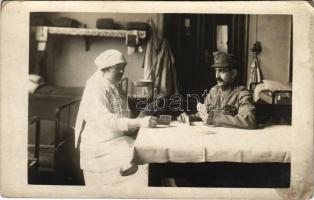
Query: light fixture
(187, 25)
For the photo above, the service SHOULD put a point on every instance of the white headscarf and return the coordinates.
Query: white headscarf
(109, 58)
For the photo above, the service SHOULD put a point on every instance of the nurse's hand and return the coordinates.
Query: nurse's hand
(184, 118)
(149, 121)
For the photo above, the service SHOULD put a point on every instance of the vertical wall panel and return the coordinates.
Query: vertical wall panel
(273, 31)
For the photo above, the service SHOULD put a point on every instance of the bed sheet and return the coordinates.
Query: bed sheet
(59, 91)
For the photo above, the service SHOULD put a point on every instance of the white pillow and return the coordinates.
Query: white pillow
(36, 78)
(276, 85)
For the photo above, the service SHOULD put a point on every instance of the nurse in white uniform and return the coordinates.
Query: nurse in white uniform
(105, 148)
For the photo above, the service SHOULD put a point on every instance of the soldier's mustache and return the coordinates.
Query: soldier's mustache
(219, 79)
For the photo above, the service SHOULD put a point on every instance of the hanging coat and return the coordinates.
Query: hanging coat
(159, 64)
(165, 72)
(151, 52)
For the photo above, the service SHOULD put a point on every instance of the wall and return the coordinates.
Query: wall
(68, 64)
(273, 31)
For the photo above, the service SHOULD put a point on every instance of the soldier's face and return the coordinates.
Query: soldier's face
(225, 76)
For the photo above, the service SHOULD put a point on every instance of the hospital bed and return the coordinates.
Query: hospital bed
(57, 114)
(273, 101)
(49, 90)
(57, 108)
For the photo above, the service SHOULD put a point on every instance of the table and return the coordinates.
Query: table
(200, 143)
(180, 148)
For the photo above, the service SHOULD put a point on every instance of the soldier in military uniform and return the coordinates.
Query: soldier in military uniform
(226, 105)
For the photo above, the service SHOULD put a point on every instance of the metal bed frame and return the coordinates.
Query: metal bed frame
(54, 114)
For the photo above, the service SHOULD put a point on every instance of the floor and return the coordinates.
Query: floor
(67, 170)
(275, 175)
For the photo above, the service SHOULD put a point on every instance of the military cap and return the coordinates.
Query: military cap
(223, 60)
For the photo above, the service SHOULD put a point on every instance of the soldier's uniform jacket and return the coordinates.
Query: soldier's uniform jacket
(232, 107)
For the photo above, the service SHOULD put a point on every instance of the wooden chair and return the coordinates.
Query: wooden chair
(33, 160)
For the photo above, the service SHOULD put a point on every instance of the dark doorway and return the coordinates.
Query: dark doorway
(193, 39)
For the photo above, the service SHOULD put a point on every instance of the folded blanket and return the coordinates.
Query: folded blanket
(271, 86)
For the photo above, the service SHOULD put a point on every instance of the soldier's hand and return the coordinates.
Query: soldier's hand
(200, 107)
(207, 117)
(149, 121)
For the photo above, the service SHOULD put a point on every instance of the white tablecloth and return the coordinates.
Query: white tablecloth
(200, 143)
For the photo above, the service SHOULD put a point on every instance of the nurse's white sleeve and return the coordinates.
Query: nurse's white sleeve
(97, 110)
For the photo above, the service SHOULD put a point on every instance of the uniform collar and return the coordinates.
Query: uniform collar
(226, 88)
